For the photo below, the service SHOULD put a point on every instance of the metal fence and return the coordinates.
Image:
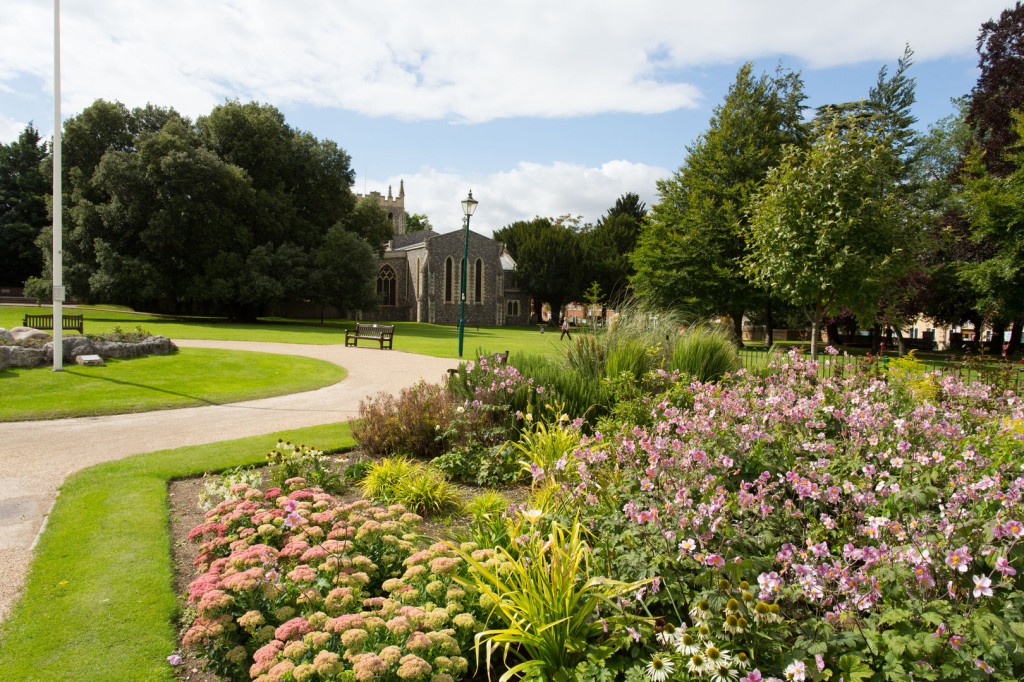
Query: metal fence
(1000, 372)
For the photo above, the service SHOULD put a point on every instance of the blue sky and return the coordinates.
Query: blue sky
(541, 107)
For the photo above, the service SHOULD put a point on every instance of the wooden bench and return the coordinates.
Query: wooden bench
(381, 333)
(70, 322)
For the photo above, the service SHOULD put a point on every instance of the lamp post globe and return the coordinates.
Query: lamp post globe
(468, 207)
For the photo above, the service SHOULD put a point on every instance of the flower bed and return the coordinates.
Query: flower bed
(865, 526)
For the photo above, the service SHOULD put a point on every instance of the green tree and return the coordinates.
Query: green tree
(607, 247)
(690, 252)
(994, 205)
(25, 182)
(370, 221)
(417, 222)
(344, 273)
(548, 260)
(825, 233)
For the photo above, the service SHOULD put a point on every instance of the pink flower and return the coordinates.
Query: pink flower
(715, 560)
(982, 586)
(796, 671)
(754, 676)
(1004, 567)
(174, 659)
(959, 559)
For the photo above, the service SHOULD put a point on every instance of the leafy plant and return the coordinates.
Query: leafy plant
(553, 612)
(382, 478)
(547, 447)
(425, 491)
(408, 424)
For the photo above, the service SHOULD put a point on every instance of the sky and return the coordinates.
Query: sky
(542, 108)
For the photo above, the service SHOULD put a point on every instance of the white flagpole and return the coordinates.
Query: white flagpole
(58, 226)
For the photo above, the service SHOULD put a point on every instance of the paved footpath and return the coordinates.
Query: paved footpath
(36, 457)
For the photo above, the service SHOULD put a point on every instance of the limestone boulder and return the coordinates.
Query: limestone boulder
(23, 333)
(154, 345)
(73, 347)
(6, 335)
(20, 356)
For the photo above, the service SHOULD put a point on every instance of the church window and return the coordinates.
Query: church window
(513, 308)
(386, 286)
(448, 280)
(478, 281)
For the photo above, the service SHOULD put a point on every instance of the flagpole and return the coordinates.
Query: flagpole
(58, 226)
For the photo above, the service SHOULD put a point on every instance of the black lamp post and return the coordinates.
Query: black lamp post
(468, 206)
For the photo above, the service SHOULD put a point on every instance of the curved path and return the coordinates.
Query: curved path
(36, 457)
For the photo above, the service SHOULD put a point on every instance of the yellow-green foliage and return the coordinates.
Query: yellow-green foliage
(913, 376)
(547, 445)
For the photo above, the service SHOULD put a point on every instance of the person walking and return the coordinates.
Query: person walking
(565, 329)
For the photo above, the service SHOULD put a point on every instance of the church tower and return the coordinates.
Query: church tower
(394, 206)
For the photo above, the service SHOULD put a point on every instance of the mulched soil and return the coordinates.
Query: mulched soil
(186, 514)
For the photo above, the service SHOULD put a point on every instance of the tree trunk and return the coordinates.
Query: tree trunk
(995, 346)
(538, 310)
(815, 327)
(832, 332)
(900, 342)
(876, 338)
(737, 327)
(1015, 335)
(769, 328)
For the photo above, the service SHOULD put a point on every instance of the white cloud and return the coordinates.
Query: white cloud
(10, 129)
(454, 60)
(524, 192)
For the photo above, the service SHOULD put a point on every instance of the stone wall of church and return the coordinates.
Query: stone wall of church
(445, 310)
(403, 310)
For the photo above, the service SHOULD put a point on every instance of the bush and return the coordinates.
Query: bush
(425, 491)
(705, 353)
(477, 465)
(382, 478)
(406, 425)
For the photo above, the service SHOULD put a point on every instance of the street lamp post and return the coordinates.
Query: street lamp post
(468, 206)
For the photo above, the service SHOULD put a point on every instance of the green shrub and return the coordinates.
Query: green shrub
(705, 353)
(382, 478)
(425, 491)
(630, 356)
(487, 504)
(486, 466)
(408, 424)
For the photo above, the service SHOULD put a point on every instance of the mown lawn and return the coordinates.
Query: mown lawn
(99, 602)
(412, 337)
(191, 377)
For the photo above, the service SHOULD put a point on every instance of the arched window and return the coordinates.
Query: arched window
(386, 286)
(478, 281)
(448, 280)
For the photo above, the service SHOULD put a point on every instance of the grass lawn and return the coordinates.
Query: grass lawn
(413, 337)
(188, 378)
(99, 602)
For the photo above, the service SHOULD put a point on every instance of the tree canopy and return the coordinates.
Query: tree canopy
(25, 183)
(690, 252)
(226, 214)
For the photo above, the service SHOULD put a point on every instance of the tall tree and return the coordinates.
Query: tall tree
(607, 248)
(548, 260)
(1000, 88)
(825, 233)
(24, 185)
(690, 253)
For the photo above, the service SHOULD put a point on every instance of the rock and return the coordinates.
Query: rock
(19, 356)
(73, 347)
(154, 345)
(89, 360)
(22, 333)
(6, 335)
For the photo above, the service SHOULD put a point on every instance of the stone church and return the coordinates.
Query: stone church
(420, 276)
